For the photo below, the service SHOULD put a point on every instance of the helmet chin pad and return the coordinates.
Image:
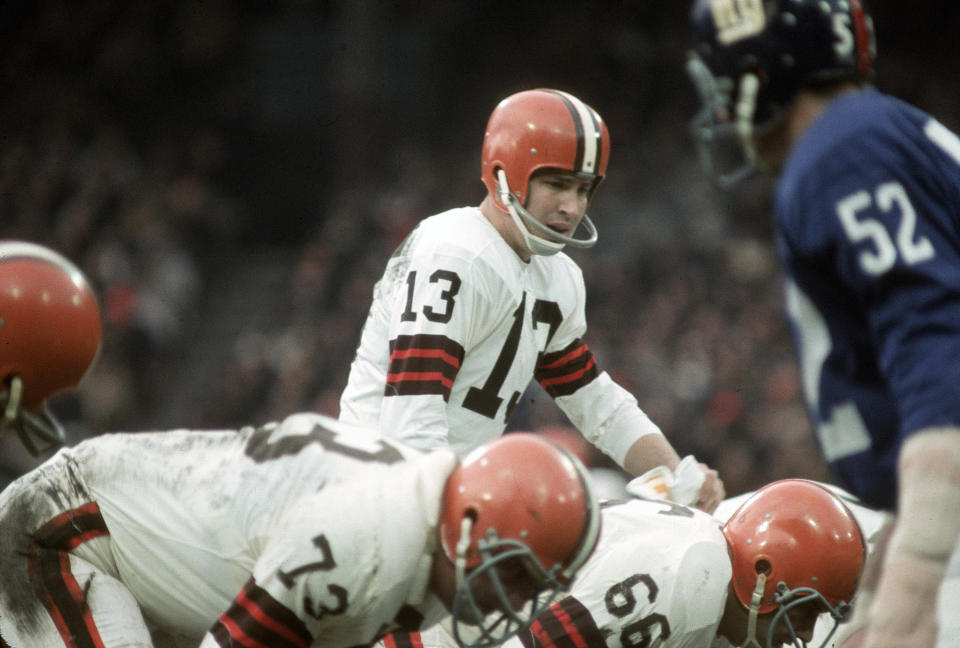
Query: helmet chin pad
(525, 222)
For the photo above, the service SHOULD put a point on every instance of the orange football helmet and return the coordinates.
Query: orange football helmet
(518, 498)
(791, 543)
(50, 333)
(542, 129)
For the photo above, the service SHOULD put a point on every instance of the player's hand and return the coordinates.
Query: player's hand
(712, 492)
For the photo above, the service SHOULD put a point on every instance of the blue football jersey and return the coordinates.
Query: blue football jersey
(867, 213)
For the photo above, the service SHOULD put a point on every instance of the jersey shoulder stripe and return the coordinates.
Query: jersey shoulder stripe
(48, 564)
(255, 618)
(563, 372)
(422, 364)
(72, 528)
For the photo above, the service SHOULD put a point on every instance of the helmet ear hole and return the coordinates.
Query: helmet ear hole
(762, 566)
(472, 515)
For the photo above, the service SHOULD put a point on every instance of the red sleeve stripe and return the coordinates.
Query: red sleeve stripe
(425, 376)
(566, 624)
(425, 353)
(236, 636)
(563, 372)
(575, 375)
(48, 564)
(566, 356)
(257, 620)
(63, 597)
(403, 640)
(422, 364)
(72, 528)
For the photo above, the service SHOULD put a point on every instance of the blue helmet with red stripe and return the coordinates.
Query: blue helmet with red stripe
(751, 57)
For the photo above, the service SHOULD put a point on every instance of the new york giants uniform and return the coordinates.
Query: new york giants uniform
(868, 219)
(307, 533)
(458, 327)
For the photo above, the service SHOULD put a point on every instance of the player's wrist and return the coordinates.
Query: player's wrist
(904, 607)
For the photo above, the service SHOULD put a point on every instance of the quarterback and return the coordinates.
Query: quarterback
(479, 300)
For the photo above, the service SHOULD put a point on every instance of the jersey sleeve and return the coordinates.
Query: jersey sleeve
(607, 415)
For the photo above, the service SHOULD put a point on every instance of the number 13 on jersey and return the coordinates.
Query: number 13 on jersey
(485, 398)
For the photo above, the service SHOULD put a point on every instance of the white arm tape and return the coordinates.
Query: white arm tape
(928, 518)
(681, 485)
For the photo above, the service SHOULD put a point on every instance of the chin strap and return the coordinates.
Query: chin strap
(755, 600)
(25, 422)
(538, 245)
(13, 403)
(460, 563)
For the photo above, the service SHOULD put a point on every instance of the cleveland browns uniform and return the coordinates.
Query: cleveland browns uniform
(660, 571)
(658, 577)
(306, 533)
(458, 327)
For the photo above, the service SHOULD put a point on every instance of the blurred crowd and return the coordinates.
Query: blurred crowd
(163, 145)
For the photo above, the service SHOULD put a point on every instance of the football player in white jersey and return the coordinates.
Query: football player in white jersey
(477, 301)
(310, 533)
(670, 576)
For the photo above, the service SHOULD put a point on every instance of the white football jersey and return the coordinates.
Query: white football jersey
(658, 577)
(310, 530)
(459, 326)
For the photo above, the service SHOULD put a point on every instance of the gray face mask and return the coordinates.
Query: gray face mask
(474, 629)
(525, 222)
(39, 432)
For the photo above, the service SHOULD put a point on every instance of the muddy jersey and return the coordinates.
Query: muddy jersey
(658, 577)
(647, 549)
(459, 326)
(307, 533)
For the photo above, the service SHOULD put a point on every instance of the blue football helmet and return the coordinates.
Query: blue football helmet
(751, 57)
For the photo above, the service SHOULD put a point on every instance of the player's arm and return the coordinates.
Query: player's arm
(610, 418)
(255, 614)
(565, 620)
(645, 449)
(925, 534)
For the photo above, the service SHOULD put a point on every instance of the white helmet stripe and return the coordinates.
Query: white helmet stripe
(589, 137)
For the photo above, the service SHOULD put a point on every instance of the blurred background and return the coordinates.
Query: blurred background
(232, 177)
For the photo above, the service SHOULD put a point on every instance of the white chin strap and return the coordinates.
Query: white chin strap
(523, 219)
(460, 560)
(755, 602)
